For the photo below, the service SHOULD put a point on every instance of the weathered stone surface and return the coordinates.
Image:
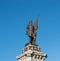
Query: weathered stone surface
(31, 54)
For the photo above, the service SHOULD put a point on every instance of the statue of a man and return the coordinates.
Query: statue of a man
(31, 31)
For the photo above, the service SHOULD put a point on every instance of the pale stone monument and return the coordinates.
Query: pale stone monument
(31, 51)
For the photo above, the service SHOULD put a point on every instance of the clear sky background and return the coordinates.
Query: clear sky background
(14, 17)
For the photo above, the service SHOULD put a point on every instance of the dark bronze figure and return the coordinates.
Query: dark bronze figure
(31, 31)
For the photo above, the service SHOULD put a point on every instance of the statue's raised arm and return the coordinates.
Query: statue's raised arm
(36, 24)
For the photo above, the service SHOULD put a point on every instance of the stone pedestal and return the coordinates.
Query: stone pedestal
(31, 53)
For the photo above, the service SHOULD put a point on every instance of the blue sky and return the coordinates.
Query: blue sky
(14, 17)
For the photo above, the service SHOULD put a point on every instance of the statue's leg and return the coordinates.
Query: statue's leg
(31, 40)
(34, 41)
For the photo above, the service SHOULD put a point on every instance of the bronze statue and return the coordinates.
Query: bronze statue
(31, 31)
